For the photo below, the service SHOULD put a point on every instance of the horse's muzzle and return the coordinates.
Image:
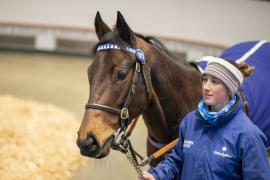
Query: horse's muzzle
(91, 148)
(88, 147)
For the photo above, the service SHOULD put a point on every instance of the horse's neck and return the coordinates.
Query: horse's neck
(176, 91)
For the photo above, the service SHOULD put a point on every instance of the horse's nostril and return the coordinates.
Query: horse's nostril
(89, 141)
(90, 144)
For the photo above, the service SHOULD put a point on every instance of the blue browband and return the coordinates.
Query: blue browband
(138, 53)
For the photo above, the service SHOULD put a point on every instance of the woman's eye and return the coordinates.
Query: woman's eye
(215, 82)
(121, 76)
(204, 79)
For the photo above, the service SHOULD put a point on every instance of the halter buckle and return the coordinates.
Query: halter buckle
(124, 113)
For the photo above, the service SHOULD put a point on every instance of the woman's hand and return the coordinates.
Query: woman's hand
(146, 176)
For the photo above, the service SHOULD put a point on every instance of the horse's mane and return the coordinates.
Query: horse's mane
(157, 43)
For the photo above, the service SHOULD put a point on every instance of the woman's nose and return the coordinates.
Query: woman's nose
(206, 85)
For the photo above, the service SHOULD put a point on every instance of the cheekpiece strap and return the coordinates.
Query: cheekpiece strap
(138, 52)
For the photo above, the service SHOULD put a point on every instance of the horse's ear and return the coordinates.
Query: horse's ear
(123, 29)
(100, 26)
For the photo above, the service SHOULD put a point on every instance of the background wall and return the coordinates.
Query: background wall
(216, 21)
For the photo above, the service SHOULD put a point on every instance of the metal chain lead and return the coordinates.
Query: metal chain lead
(134, 163)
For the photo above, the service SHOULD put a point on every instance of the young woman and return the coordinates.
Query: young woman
(218, 140)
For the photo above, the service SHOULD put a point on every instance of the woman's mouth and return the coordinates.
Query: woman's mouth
(207, 95)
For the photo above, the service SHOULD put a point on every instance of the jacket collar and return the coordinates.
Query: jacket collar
(224, 118)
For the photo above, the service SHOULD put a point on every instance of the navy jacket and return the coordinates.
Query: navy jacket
(232, 149)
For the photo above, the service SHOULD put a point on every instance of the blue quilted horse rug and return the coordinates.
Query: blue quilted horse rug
(256, 88)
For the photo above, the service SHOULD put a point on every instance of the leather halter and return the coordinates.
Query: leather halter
(124, 112)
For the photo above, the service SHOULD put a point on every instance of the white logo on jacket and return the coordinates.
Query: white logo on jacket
(223, 153)
(188, 143)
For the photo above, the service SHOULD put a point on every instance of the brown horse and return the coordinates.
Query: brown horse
(166, 89)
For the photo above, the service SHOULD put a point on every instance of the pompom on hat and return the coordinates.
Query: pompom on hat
(224, 71)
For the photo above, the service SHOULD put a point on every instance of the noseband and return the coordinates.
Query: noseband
(123, 112)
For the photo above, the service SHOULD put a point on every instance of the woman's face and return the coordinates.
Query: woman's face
(215, 93)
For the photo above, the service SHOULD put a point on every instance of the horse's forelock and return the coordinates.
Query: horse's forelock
(112, 38)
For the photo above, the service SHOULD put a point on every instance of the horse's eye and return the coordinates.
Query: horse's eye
(121, 75)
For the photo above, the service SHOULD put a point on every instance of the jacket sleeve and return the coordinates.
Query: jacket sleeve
(171, 167)
(255, 163)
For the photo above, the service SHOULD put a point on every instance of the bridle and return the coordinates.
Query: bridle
(120, 137)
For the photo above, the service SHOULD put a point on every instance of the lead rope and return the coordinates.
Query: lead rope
(134, 163)
(131, 154)
(127, 148)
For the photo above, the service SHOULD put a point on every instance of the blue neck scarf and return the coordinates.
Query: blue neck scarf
(212, 117)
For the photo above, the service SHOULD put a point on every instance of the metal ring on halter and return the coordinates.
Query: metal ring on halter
(119, 141)
(116, 136)
(117, 133)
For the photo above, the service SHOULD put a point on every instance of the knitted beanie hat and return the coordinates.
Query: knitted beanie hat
(224, 71)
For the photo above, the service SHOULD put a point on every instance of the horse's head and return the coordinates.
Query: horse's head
(111, 76)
